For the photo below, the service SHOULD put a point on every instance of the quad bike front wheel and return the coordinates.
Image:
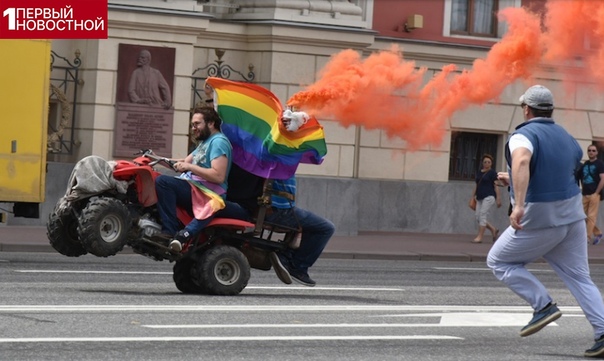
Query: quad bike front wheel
(104, 226)
(223, 270)
(185, 275)
(62, 233)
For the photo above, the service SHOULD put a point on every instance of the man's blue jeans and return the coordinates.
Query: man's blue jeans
(171, 193)
(233, 210)
(316, 232)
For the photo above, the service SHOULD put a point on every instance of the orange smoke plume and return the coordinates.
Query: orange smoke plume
(384, 91)
(575, 30)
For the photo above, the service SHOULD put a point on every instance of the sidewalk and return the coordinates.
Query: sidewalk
(366, 245)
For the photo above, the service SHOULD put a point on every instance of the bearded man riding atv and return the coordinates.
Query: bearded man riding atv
(202, 186)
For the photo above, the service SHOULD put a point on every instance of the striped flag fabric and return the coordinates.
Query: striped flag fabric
(261, 145)
(205, 201)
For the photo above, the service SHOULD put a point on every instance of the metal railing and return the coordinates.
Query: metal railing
(64, 82)
(216, 69)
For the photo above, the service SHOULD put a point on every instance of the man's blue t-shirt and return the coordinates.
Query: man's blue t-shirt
(287, 186)
(215, 146)
(590, 176)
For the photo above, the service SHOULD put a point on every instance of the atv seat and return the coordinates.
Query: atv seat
(233, 223)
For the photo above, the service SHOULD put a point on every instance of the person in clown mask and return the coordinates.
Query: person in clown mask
(316, 230)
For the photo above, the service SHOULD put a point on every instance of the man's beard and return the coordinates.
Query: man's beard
(204, 134)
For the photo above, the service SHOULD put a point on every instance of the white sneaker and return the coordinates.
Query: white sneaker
(175, 246)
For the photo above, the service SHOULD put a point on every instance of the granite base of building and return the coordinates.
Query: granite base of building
(353, 205)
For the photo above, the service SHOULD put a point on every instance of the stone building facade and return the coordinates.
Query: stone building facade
(368, 181)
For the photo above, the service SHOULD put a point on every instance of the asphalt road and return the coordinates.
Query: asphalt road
(127, 308)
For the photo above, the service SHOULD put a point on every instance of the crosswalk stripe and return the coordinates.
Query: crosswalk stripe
(226, 338)
(270, 308)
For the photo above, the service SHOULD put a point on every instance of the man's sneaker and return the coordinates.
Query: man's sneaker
(302, 278)
(597, 239)
(176, 246)
(296, 275)
(280, 269)
(180, 238)
(597, 350)
(541, 319)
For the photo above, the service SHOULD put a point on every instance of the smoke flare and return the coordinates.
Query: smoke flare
(385, 91)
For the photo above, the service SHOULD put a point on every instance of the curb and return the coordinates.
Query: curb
(384, 251)
(41, 248)
(404, 256)
(409, 256)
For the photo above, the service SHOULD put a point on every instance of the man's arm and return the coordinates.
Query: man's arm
(599, 165)
(497, 194)
(521, 160)
(601, 184)
(504, 178)
(579, 174)
(217, 173)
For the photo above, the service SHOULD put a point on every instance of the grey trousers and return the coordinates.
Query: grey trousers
(565, 249)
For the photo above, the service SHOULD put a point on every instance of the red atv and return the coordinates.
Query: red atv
(109, 205)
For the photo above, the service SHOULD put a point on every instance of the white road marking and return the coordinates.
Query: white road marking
(460, 319)
(305, 288)
(461, 269)
(93, 272)
(228, 338)
(484, 269)
(293, 325)
(320, 288)
(474, 319)
(484, 319)
(323, 288)
(448, 323)
(271, 308)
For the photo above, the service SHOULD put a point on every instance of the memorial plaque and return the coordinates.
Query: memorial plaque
(144, 112)
(142, 127)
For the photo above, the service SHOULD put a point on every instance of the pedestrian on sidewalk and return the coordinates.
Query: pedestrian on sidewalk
(547, 218)
(591, 176)
(487, 195)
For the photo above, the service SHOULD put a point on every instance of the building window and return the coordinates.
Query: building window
(474, 17)
(466, 152)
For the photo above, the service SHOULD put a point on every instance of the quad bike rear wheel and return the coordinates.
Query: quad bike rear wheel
(62, 233)
(223, 270)
(185, 276)
(104, 226)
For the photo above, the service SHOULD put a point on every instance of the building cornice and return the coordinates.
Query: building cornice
(145, 20)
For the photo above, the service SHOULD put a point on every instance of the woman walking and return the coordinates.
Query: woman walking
(486, 194)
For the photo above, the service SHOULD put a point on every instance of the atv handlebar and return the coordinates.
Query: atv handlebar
(148, 153)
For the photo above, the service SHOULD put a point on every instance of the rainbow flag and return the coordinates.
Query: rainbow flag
(205, 201)
(261, 145)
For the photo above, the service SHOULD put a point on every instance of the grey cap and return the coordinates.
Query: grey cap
(538, 97)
